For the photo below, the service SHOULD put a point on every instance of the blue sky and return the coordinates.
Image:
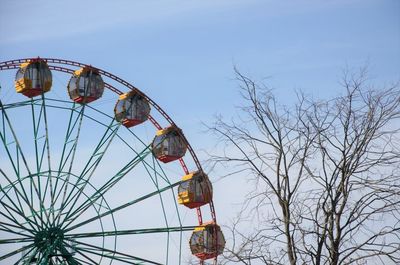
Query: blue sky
(188, 48)
(182, 53)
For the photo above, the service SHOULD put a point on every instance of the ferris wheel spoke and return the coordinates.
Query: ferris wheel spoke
(17, 226)
(132, 232)
(14, 209)
(39, 123)
(5, 227)
(90, 166)
(27, 256)
(156, 182)
(42, 151)
(39, 152)
(18, 156)
(11, 217)
(16, 240)
(17, 251)
(153, 170)
(81, 261)
(111, 182)
(7, 230)
(154, 176)
(146, 164)
(66, 254)
(154, 179)
(71, 139)
(84, 251)
(16, 197)
(114, 255)
(74, 248)
(48, 250)
(97, 205)
(7, 128)
(24, 197)
(43, 258)
(123, 206)
(69, 150)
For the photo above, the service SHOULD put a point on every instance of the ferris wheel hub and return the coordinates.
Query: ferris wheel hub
(49, 238)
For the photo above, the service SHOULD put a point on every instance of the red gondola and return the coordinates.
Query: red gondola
(169, 144)
(207, 241)
(195, 190)
(33, 78)
(85, 85)
(131, 109)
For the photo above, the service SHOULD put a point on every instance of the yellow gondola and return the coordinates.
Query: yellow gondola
(85, 85)
(195, 190)
(131, 109)
(169, 144)
(207, 241)
(33, 78)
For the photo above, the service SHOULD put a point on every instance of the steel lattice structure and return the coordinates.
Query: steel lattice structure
(62, 168)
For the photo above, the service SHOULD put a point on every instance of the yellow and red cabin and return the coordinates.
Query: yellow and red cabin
(195, 190)
(169, 144)
(33, 78)
(207, 241)
(85, 85)
(131, 109)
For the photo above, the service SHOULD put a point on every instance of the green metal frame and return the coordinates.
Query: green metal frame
(42, 205)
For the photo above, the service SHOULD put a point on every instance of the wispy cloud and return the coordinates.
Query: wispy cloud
(41, 20)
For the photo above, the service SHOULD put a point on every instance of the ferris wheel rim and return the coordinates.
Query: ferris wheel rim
(165, 229)
(13, 64)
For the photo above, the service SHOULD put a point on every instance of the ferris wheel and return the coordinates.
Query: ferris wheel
(93, 171)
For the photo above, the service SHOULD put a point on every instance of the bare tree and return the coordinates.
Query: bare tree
(273, 146)
(326, 176)
(356, 217)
